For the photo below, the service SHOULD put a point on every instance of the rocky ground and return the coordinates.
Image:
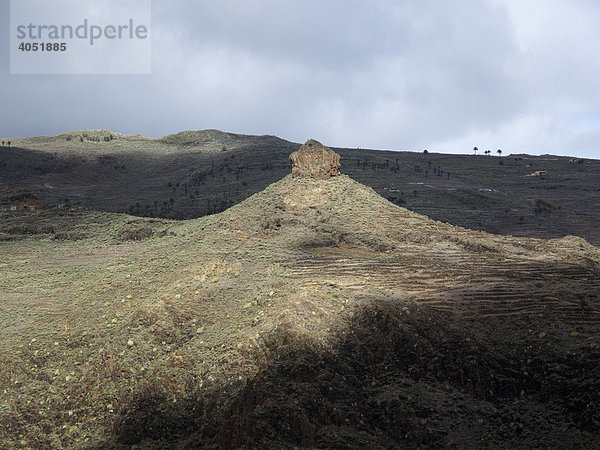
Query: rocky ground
(313, 314)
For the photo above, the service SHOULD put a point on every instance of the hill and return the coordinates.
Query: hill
(216, 141)
(195, 173)
(315, 313)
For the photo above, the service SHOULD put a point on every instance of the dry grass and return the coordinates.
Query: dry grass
(166, 333)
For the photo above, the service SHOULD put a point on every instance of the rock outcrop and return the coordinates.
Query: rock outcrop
(314, 160)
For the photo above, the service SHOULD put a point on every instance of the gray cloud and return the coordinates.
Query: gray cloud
(401, 75)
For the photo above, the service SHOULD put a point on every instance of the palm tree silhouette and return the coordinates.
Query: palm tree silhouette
(499, 153)
(475, 150)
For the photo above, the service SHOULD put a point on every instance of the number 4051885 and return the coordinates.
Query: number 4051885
(43, 46)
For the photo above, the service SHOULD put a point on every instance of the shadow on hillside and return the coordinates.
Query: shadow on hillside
(178, 185)
(396, 378)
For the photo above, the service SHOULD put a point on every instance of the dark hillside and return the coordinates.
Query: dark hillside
(195, 173)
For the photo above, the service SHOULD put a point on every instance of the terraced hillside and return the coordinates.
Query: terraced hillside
(312, 314)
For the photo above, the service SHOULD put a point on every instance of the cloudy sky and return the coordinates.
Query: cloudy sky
(520, 75)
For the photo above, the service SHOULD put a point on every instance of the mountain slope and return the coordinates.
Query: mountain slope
(195, 173)
(314, 314)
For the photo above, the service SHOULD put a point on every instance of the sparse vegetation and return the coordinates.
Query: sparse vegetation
(347, 321)
(129, 167)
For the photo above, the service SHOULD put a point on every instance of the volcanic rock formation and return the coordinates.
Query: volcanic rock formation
(314, 160)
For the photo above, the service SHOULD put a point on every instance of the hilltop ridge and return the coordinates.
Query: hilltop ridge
(214, 138)
(195, 173)
(209, 139)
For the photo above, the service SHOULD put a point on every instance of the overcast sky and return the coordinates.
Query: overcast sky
(520, 75)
